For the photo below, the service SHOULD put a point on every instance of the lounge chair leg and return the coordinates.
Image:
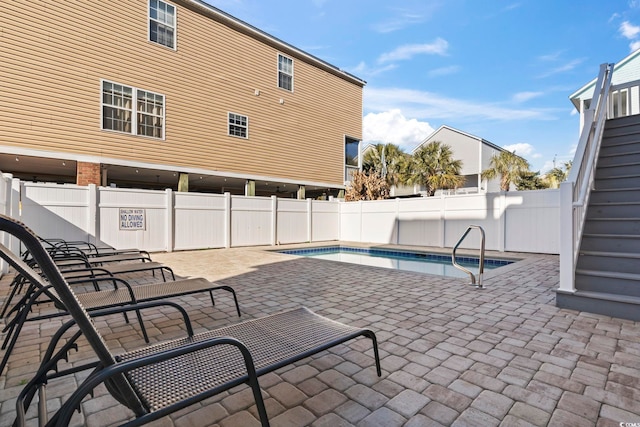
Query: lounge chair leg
(144, 330)
(235, 298)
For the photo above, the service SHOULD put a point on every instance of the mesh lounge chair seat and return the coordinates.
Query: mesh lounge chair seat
(273, 341)
(95, 300)
(124, 268)
(164, 378)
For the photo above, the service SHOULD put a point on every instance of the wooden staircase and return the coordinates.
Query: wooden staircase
(607, 275)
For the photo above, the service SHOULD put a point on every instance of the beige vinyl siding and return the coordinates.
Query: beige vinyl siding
(54, 55)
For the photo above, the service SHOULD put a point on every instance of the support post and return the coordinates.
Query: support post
(567, 267)
(183, 183)
(227, 220)
(170, 226)
(92, 220)
(274, 220)
(309, 220)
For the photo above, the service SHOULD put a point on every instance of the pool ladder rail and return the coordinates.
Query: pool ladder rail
(477, 284)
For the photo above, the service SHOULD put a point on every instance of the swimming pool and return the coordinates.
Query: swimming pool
(422, 262)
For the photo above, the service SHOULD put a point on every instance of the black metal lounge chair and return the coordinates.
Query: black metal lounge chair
(158, 380)
(121, 294)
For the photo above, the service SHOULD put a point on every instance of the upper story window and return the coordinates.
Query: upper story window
(285, 72)
(119, 110)
(162, 23)
(238, 125)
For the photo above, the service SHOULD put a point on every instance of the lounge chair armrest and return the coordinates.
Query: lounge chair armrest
(63, 416)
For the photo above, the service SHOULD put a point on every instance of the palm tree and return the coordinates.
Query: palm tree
(434, 167)
(559, 174)
(387, 160)
(508, 166)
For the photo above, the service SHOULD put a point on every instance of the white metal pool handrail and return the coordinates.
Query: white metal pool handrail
(478, 285)
(575, 191)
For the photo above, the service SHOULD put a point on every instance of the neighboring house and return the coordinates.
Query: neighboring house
(169, 94)
(623, 101)
(475, 154)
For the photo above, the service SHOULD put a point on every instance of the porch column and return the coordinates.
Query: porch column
(250, 188)
(87, 173)
(183, 182)
(301, 192)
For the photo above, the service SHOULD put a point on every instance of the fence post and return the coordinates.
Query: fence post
(443, 221)
(92, 214)
(503, 221)
(227, 220)
(309, 220)
(274, 220)
(567, 278)
(397, 220)
(15, 211)
(169, 226)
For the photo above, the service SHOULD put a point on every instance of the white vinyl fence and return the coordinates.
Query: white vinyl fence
(166, 220)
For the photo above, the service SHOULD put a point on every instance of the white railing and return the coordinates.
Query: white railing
(624, 99)
(575, 191)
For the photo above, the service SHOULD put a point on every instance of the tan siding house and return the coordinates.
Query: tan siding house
(190, 69)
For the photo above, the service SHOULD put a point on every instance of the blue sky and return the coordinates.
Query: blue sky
(500, 70)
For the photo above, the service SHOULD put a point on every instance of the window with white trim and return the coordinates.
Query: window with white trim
(238, 125)
(119, 110)
(285, 72)
(162, 23)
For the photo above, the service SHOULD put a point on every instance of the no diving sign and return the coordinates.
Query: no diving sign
(132, 219)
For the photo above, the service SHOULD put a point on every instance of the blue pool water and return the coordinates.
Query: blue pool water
(421, 262)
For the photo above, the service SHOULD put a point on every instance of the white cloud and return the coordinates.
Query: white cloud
(364, 71)
(521, 149)
(393, 127)
(635, 45)
(397, 23)
(525, 96)
(444, 71)
(563, 68)
(438, 47)
(629, 30)
(415, 103)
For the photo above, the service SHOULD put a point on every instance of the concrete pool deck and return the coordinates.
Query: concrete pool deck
(451, 354)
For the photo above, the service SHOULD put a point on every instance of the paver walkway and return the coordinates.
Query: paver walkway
(451, 354)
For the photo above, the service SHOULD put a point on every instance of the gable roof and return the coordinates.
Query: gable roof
(481, 140)
(626, 70)
(231, 21)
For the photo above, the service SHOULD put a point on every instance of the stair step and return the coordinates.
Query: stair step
(610, 242)
(613, 262)
(601, 303)
(619, 158)
(613, 210)
(607, 225)
(621, 169)
(612, 282)
(618, 182)
(621, 144)
(614, 195)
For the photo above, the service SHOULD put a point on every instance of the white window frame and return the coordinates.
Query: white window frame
(174, 27)
(134, 110)
(285, 73)
(245, 127)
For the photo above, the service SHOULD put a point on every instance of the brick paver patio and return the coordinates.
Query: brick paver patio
(451, 354)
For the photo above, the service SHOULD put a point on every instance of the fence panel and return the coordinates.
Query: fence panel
(419, 221)
(251, 221)
(154, 204)
(351, 221)
(379, 221)
(533, 221)
(199, 221)
(292, 224)
(325, 220)
(56, 211)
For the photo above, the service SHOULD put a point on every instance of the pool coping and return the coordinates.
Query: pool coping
(520, 259)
